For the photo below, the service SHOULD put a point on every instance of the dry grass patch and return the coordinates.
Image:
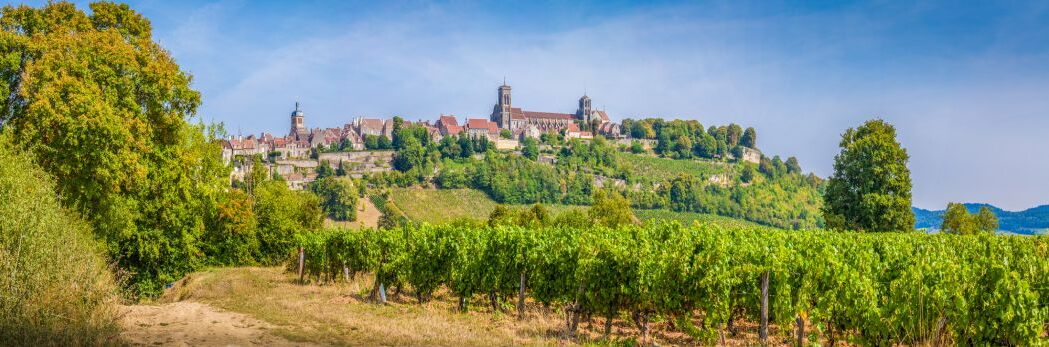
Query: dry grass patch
(340, 313)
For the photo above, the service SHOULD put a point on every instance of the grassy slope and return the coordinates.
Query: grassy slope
(659, 169)
(442, 205)
(55, 287)
(689, 217)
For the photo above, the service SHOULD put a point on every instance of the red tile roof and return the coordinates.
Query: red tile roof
(454, 129)
(448, 121)
(477, 123)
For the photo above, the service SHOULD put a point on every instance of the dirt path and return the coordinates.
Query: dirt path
(187, 323)
(367, 217)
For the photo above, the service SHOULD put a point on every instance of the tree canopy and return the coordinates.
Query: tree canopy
(108, 113)
(871, 186)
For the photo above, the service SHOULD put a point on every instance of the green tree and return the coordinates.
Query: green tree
(747, 176)
(341, 171)
(505, 133)
(683, 147)
(958, 220)
(324, 170)
(259, 173)
(749, 139)
(871, 186)
(233, 237)
(642, 130)
(106, 110)
(371, 142)
(383, 142)
(530, 149)
(793, 167)
(733, 134)
(282, 214)
(987, 220)
(611, 209)
(466, 146)
(337, 196)
(411, 155)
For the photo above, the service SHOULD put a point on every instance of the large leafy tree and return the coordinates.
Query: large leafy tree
(337, 196)
(106, 110)
(871, 186)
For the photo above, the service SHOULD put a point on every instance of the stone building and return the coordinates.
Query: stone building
(514, 118)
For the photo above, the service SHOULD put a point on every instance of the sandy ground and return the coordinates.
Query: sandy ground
(187, 323)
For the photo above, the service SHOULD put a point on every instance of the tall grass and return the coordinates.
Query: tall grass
(55, 288)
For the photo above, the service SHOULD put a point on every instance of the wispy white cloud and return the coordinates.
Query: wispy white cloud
(971, 115)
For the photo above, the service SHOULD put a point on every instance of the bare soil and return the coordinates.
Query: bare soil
(187, 323)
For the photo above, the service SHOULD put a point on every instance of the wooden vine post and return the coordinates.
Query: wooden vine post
(800, 322)
(521, 298)
(763, 331)
(302, 265)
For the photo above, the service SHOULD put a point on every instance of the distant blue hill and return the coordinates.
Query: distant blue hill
(1029, 222)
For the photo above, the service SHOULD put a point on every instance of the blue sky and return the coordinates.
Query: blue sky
(965, 83)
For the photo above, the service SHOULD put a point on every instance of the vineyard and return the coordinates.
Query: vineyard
(704, 280)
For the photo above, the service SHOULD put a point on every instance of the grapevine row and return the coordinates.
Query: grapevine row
(868, 288)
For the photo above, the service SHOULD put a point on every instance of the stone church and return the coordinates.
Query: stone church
(515, 119)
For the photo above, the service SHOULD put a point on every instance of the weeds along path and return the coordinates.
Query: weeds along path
(195, 324)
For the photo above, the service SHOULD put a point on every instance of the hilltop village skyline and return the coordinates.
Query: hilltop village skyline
(506, 122)
(296, 154)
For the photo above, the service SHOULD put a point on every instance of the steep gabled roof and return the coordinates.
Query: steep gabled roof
(547, 115)
(447, 120)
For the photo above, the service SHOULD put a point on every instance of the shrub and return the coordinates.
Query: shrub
(283, 213)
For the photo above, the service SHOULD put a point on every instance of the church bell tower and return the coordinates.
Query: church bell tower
(298, 128)
(584, 111)
(501, 114)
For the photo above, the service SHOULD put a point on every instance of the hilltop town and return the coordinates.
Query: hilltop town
(362, 145)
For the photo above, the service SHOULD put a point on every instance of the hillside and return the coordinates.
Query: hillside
(1028, 222)
(443, 205)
